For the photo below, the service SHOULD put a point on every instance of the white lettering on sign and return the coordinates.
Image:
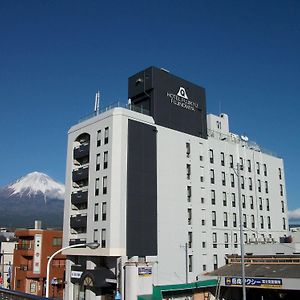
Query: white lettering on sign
(76, 274)
(181, 99)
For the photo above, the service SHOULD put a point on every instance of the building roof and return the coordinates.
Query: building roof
(260, 270)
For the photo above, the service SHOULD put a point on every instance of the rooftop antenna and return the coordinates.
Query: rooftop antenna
(97, 103)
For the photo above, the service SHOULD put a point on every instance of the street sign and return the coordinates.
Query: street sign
(254, 282)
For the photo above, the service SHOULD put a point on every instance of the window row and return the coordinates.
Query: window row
(102, 237)
(104, 186)
(103, 211)
(101, 138)
(104, 162)
(246, 221)
(234, 239)
(242, 163)
(225, 201)
(233, 181)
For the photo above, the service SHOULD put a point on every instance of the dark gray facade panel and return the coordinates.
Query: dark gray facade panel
(141, 224)
(173, 102)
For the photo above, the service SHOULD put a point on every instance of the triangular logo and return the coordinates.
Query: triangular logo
(182, 93)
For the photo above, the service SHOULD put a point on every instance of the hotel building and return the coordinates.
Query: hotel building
(156, 184)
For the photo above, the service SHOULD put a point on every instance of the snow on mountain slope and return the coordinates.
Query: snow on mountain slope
(35, 183)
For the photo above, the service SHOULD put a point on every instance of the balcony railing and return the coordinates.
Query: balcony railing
(78, 221)
(80, 174)
(25, 246)
(79, 197)
(81, 151)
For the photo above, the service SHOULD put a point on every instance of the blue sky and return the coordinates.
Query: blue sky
(54, 56)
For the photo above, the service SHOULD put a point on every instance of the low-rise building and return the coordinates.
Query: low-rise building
(31, 254)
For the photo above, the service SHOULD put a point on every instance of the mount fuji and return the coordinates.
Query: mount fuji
(35, 196)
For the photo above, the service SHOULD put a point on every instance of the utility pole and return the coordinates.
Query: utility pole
(241, 231)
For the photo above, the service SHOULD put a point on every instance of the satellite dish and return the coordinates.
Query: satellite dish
(244, 138)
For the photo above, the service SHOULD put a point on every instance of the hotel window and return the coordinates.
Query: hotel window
(241, 163)
(242, 182)
(243, 201)
(266, 187)
(202, 200)
(251, 202)
(258, 168)
(261, 222)
(223, 179)
(233, 199)
(104, 211)
(96, 212)
(245, 237)
(190, 263)
(188, 149)
(260, 203)
(215, 261)
(105, 160)
(189, 193)
(283, 224)
(203, 222)
(234, 219)
(232, 180)
(265, 170)
(249, 165)
(212, 176)
(103, 238)
(211, 156)
(204, 267)
(226, 240)
(188, 171)
(268, 204)
(104, 185)
(252, 221)
(201, 157)
(224, 199)
(203, 245)
(214, 240)
(269, 222)
(282, 206)
(106, 133)
(98, 138)
(235, 240)
(225, 215)
(259, 185)
(250, 183)
(281, 190)
(189, 216)
(280, 173)
(95, 235)
(231, 161)
(222, 159)
(190, 239)
(244, 221)
(98, 162)
(97, 187)
(214, 218)
(213, 197)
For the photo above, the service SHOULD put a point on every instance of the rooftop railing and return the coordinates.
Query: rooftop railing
(131, 107)
(236, 139)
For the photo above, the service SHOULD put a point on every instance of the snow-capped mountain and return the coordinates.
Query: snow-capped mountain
(36, 183)
(35, 196)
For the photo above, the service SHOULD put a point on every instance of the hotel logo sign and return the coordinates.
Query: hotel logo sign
(181, 99)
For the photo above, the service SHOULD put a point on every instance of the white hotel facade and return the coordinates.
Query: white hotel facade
(155, 184)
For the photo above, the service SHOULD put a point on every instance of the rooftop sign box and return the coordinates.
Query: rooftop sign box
(173, 102)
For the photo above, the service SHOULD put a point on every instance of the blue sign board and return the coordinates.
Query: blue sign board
(254, 282)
